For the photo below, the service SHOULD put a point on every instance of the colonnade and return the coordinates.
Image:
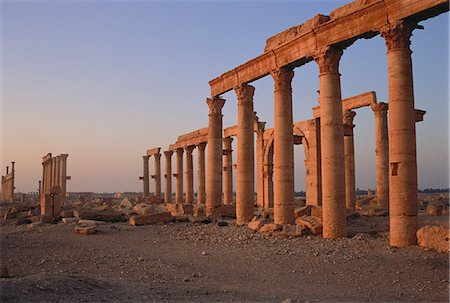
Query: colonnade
(53, 188)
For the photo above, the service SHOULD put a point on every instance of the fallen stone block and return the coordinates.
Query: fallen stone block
(255, 225)
(85, 230)
(164, 217)
(69, 220)
(90, 222)
(434, 237)
(302, 211)
(434, 209)
(316, 211)
(107, 216)
(142, 209)
(311, 223)
(199, 210)
(126, 203)
(172, 208)
(271, 227)
(291, 230)
(202, 219)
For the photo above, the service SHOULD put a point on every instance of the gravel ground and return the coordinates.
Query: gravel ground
(184, 262)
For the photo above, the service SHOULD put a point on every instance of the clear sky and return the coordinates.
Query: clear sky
(105, 80)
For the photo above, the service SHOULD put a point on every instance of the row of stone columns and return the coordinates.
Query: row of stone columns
(146, 174)
(53, 187)
(402, 155)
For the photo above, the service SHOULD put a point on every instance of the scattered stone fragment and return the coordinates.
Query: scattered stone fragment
(193, 219)
(142, 209)
(255, 225)
(85, 230)
(107, 216)
(199, 210)
(314, 224)
(271, 227)
(303, 211)
(434, 209)
(90, 222)
(163, 217)
(316, 211)
(69, 220)
(292, 230)
(125, 203)
(434, 237)
(34, 225)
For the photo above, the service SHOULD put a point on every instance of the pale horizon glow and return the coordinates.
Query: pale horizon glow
(104, 81)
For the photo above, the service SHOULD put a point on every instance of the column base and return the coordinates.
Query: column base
(403, 230)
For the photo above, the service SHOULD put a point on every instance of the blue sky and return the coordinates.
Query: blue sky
(105, 80)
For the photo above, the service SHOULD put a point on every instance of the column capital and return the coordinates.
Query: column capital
(397, 35)
(348, 117)
(157, 156)
(215, 105)
(328, 59)
(379, 109)
(168, 153)
(282, 77)
(145, 157)
(228, 140)
(244, 93)
(180, 151)
(189, 149)
(201, 146)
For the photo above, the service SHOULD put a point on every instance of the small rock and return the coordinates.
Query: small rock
(204, 253)
(255, 225)
(270, 228)
(85, 230)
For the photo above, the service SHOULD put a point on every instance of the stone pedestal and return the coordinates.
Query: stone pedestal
(157, 175)
(189, 199)
(403, 193)
(146, 176)
(201, 173)
(245, 174)
(283, 185)
(227, 171)
(214, 167)
(168, 184)
(332, 144)
(179, 177)
(349, 158)
(382, 154)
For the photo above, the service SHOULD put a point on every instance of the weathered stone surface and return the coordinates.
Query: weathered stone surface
(255, 225)
(314, 224)
(303, 211)
(90, 222)
(434, 237)
(316, 211)
(271, 227)
(202, 219)
(186, 209)
(164, 217)
(292, 230)
(172, 208)
(126, 203)
(85, 230)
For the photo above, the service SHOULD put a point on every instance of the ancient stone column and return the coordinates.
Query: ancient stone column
(58, 171)
(146, 176)
(268, 181)
(168, 184)
(381, 154)
(63, 176)
(312, 163)
(245, 174)
(157, 175)
(179, 177)
(53, 181)
(201, 173)
(40, 188)
(349, 159)
(403, 192)
(332, 144)
(189, 199)
(214, 167)
(283, 174)
(260, 166)
(227, 171)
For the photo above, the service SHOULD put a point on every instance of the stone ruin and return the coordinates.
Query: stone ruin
(8, 184)
(327, 139)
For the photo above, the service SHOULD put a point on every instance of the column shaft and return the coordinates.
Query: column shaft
(179, 177)
(245, 174)
(146, 177)
(227, 171)
(201, 173)
(63, 177)
(349, 158)
(214, 169)
(283, 174)
(157, 175)
(382, 154)
(260, 167)
(189, 176)
(168, 184)
(403, 194)
(332, 144)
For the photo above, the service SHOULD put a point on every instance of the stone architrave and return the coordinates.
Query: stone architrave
(283, 175)
(332, 143)
(145, 178)
(201, 173)
(189, 199)
(179, 177)
(168, 183)
(349, 158)
(382, 154)
(227, 171)
(214, 167)
(245, 174)
(157, 159)
(403, 194)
